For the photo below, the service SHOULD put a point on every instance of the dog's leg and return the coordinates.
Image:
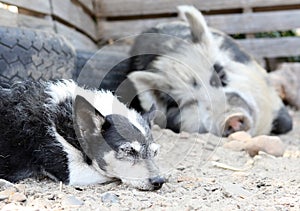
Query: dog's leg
(79, 171)
(23, 158)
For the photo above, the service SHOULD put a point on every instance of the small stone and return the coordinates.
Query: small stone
(269, 144)
(5, 184)
(235, 145)
(109, 198)
(235, 190)
(7, 192)
(184, 135)
(3, 197)
(214, 158)
(17, 197)
(71, 201)
(240, 136)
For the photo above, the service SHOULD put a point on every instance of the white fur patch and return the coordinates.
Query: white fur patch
(80, 173)
(193, 11)
(104, 101)
(61, 90)
(125, 169)
(136, 146)
(154, 147)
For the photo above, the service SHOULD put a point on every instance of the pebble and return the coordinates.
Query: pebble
(235, 145)
(71, 201)
(269, 144)
(3, 197)
(240, 136)
(5, 184)
(235, 190)
(7, 192)
(17, 197)
(109, 198)
(184, 135)
(242, 141)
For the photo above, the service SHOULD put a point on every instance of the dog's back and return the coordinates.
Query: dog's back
(74, 135)
(24, 132)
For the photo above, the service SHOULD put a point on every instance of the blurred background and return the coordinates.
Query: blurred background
(269, 29)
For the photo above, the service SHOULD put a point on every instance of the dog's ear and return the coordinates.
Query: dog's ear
(199, 29)
(147, 81)
(88, 124)
(149, 115)
(147, 85)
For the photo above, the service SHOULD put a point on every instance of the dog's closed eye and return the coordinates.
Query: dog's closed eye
(129, 150)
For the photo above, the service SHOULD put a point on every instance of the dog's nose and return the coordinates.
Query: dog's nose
(234, 124)
(157, 182)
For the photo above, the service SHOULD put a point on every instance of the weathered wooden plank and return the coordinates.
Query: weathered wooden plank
(75, 16)
(259, 48)
(88, 4)
(8, 18)
(79, 40)
(19, 20)
(272, 47)
(121, 29)
(114, 8)
(231, 24)
(41, 6)
(255, 22)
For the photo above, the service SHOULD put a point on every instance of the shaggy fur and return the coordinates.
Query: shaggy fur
(199, 68)
(74, 135)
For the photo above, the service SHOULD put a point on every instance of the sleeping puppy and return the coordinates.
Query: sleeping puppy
(74, 135)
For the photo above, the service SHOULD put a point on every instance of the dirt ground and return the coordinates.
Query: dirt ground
(201, 174)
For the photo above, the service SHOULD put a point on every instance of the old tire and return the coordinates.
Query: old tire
(107, 70)
(33, 54)
(103, 70)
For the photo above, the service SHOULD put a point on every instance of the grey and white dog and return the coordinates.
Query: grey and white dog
(203, 81)
(74, 135)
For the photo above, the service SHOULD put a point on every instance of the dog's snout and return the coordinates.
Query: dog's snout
(234, 124)
(157, 182)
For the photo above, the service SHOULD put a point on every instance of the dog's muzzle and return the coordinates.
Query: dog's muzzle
(157, 182)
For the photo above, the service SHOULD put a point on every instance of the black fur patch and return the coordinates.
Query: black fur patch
(218, 77)
(283, 122)
(173, 111)
(27, 146)
(195, 83)
(148, 47)
(115, 132)
(173, 119)
(238, 54)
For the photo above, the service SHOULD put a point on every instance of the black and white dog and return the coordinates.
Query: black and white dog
(74, 135)
(202, 81)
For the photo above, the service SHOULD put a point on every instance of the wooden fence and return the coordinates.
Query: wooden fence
(90, 22)
(121, 18)
(74, 19)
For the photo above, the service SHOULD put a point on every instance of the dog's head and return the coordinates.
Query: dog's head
(120, 147)
(206, 82)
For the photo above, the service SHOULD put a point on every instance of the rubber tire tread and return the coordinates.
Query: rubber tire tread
(34, 54)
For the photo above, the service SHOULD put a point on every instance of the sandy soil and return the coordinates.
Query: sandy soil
(202, 175)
